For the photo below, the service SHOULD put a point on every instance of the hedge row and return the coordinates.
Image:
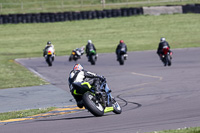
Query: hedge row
(68, 16)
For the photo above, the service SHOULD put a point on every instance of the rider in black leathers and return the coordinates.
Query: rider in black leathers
(120, 46)
(83, 79)
(162, 43)
(90, 46)
(49, 44)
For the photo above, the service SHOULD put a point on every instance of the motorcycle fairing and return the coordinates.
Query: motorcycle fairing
(165, 50)
(49, 53)
(108, 109)
(81, 88)
(92, 52)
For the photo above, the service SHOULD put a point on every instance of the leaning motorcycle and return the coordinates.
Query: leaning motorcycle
(98, 103)
(49, 55)
(76, 54)
(166, 56)
(92, 57)
(122, 56)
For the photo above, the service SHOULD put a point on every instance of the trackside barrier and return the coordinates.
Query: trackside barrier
(192, 8)
(67, 16)
(74, 16)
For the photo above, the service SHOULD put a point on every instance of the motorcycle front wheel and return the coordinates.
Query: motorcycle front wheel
(92, 104)
(116, 106)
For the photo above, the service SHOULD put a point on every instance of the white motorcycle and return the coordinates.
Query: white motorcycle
(49, 55)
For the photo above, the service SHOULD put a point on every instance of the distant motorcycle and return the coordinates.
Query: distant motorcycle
(76, 54)
(100, 103)
(49, 55)
(122, 56)
(166, 56)
(92, 57)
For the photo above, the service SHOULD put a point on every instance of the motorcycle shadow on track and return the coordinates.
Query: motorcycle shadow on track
(73, 118)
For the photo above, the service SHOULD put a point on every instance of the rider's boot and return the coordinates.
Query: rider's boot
(80, 104)
(170, 55)
(125, 57)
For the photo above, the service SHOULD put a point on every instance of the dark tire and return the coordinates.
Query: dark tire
(95, 108)
(165, 60)
(92, 60)
(49, 61)
(169, 60)
(70, 58)
(121, 60)
(117, 108)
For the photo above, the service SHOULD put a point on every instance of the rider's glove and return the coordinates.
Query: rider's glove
(102, 78)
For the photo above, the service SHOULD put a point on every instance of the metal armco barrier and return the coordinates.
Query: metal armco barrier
(75, 16)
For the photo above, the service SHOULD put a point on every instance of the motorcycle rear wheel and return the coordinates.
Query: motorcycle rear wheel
(70, 58)
(90, 103)
(169, 60)
(49, 61)
(121, 60)
(92, 59)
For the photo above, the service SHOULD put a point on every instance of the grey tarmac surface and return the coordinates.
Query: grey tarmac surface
(153, 97)
(23, 98)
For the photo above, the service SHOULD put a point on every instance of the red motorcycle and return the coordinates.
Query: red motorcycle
(166, 56)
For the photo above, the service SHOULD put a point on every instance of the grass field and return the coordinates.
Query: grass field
(37, 6)
(23, 113)
(138, 32)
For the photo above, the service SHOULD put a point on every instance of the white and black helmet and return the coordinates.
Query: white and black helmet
(48, 43)
(89, 41)
(162, 39)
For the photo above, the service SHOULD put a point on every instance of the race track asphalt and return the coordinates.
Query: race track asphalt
(153, 97)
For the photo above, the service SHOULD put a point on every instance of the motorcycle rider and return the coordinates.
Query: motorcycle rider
(83, 79)
(162, 43)
(89, 47)
(121, 46)
(79, 51)
(49, 44)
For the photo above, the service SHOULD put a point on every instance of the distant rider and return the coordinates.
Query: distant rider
(85, 79)
(49, 44)
(121, 47)
(80, 51)
(89, 47)
(162, 43)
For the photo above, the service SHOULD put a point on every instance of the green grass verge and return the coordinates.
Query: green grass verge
(139, 33)
(23, 113)
(183, 130)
